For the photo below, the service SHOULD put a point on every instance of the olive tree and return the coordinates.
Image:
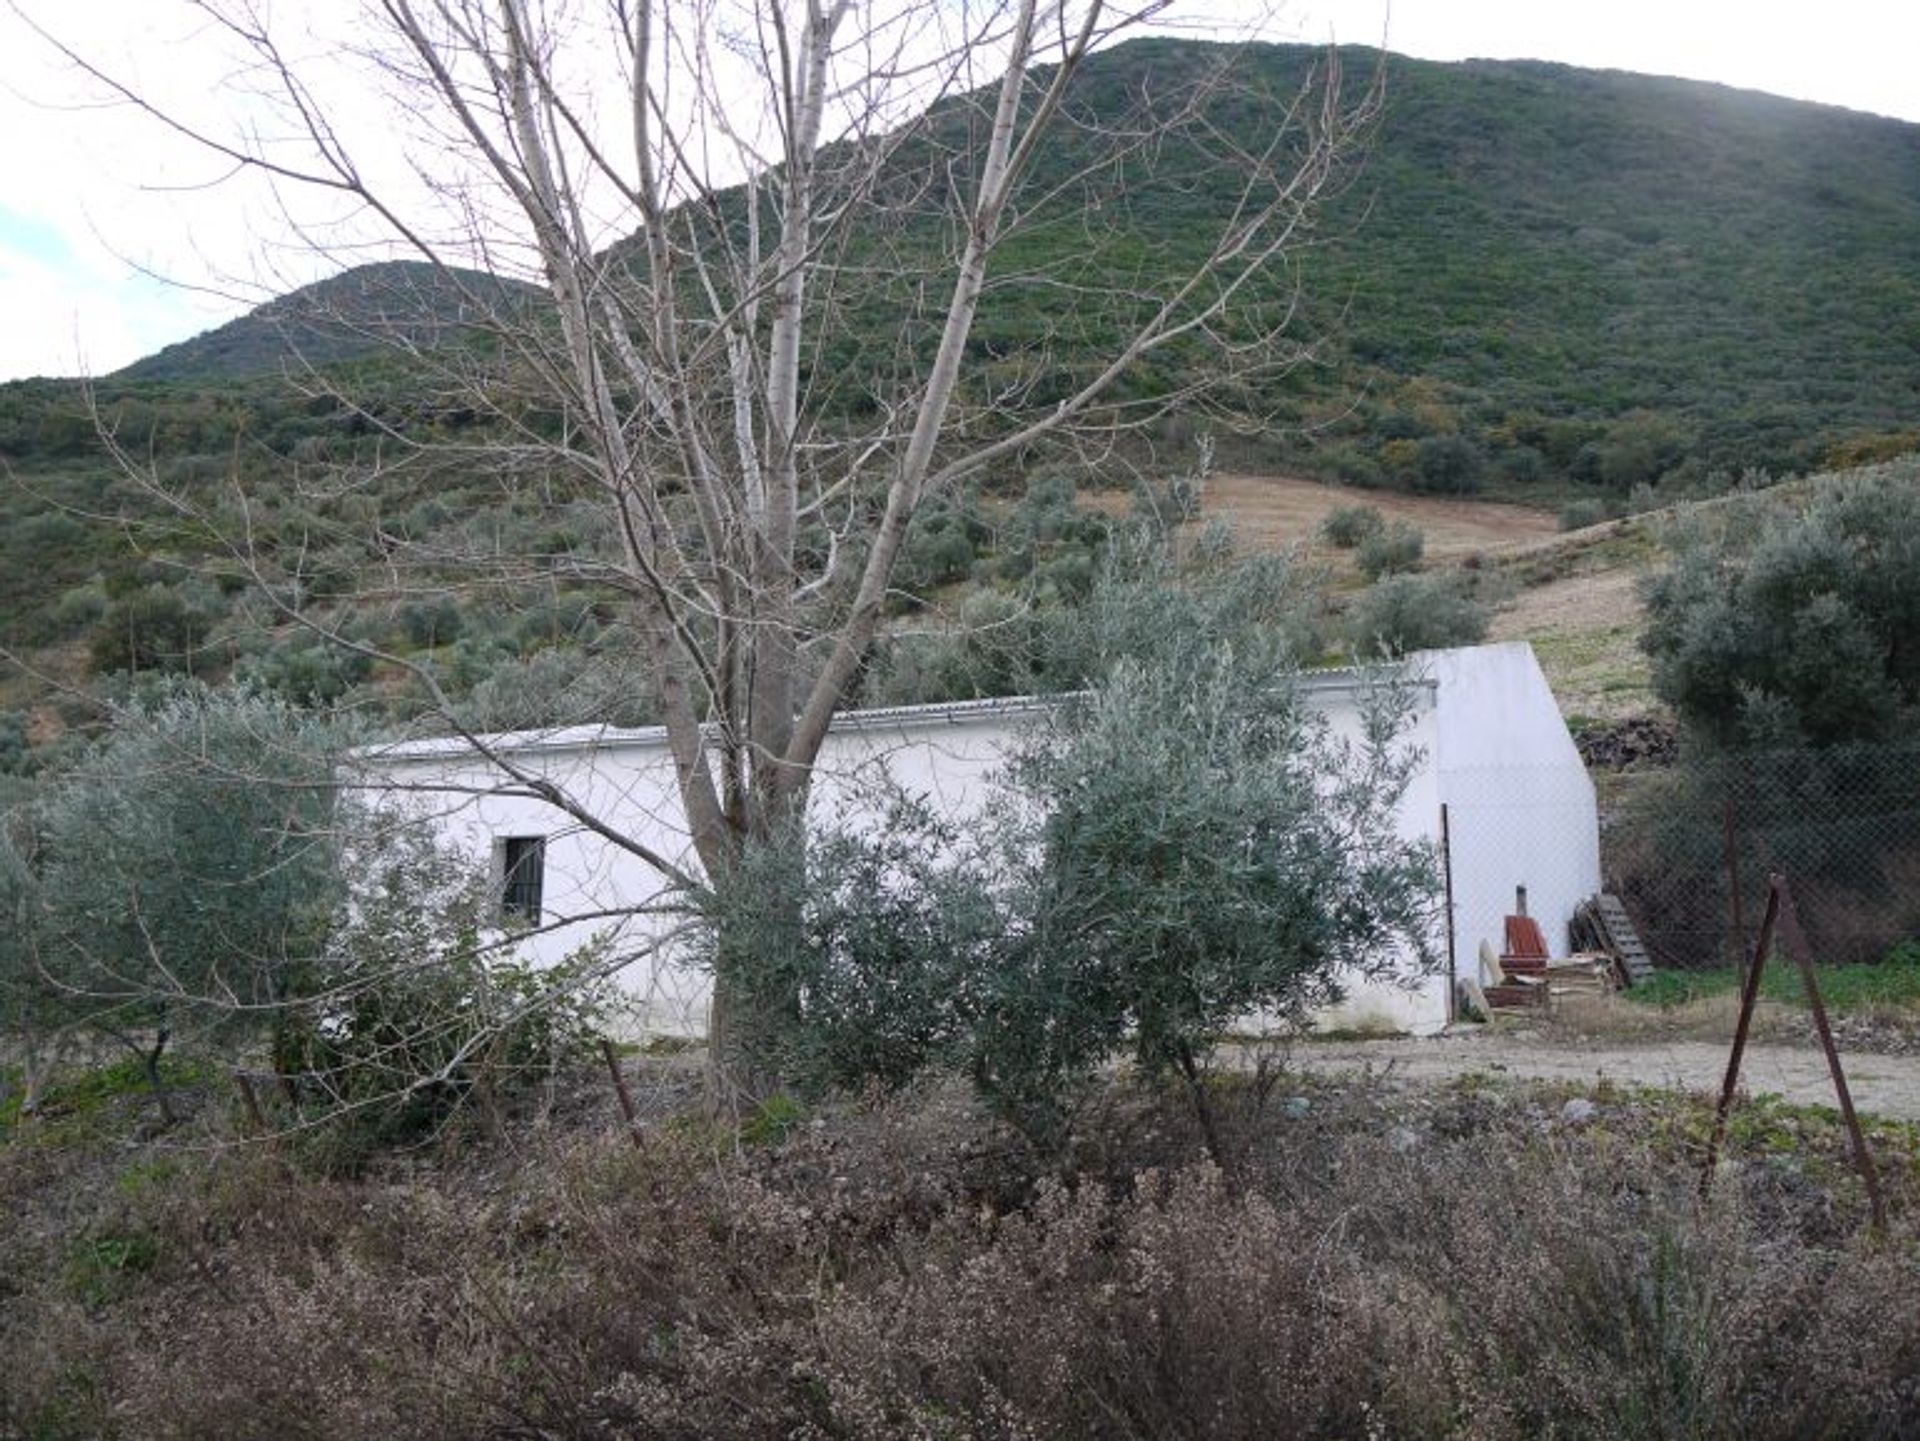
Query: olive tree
(1804, 629)
(1182, 847)
(185, 872)
(35, 1020)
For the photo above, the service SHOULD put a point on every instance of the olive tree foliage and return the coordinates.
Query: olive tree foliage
(180, 873)
(412, 1007)
(709, 200)
(1402, 613)
(201, 877)
(1802, 628)
(1181, 848)
(34, 1024)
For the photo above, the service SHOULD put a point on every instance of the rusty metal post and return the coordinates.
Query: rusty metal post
(1749, 996)
(1796, 943)
(620, 1090)
(1446, 872)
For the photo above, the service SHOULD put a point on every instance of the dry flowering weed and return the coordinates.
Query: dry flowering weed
(1382, 1262)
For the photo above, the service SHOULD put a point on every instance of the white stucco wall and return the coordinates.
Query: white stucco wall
(1520, 805)
(624, 778)
(1494, 748)
(1415, 1002)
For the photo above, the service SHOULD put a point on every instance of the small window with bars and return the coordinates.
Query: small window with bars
(520, 864)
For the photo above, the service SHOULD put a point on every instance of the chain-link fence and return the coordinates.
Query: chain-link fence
(1515, 827)
(1689, 848)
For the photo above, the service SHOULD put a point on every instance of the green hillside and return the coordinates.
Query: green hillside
(1632, 274)
(354, 316)
(1541, 282)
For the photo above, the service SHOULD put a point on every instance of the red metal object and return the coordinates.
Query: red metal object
(1525, 938)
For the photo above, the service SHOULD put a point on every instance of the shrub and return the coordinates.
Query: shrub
(1048, 523)
(1395, 550)
(1522, 464)
(151, 629)
(1191, 846)
(561, 686)
(185, 868)
(404, 1015)
(996, 647)
(1579, 514)
(1351, 465)
(306, 672)
(16, 756)
(1347, 526)
(1402, 613)
(1450, 465)
(429, 623)
(940, 545)
(1184, 846)
(1487, 1274)
(1803, 634)
(872, 944)
(1639, 450)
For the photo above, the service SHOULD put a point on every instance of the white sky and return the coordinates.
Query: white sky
(115, 238)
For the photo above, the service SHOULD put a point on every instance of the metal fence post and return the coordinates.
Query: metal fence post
(1749, 995)
(1782, 915)
(1796, 943)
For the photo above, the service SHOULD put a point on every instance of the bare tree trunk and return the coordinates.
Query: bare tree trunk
(162, 1096)
(1200, 1091)
(701, 261)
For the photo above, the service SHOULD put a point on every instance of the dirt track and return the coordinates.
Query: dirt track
(1886, 1086)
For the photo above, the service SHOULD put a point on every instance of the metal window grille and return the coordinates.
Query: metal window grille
(523, 874)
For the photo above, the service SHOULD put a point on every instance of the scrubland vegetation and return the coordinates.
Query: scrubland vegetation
(1601, 292)
(1479, 1261)
(943, 1211)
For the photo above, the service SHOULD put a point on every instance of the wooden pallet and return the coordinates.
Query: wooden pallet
(1517, 996)
(1601, 923)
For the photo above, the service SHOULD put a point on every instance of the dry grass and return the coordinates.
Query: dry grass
(1585, 630)
(1455, 1262)
(1574, 593)
(1614, 1017)
(1273, 511)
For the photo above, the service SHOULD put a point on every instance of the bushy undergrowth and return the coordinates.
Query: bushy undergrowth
(1455, 1264)
(1347, 526)
(1392, 551)
(1402, 613)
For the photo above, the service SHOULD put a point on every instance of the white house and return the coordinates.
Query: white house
(1498, 773)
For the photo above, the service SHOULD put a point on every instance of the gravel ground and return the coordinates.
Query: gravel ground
(1887, 1086)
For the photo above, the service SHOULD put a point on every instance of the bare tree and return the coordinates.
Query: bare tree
(712, 202)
